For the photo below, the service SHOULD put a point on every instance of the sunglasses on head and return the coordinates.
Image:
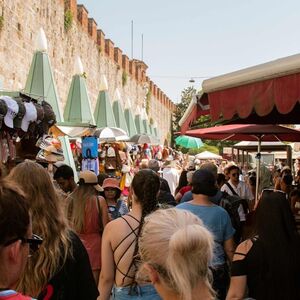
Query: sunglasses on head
(34, 242)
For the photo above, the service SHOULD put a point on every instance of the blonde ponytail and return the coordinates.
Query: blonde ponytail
(176, 243)
(190, 250)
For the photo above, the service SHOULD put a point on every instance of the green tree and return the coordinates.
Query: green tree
(186, 97)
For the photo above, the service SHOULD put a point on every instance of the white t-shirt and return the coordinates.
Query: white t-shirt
(243, 191)
(172, 176)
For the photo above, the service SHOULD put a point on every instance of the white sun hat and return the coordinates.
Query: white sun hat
(12, 111)
(30, 115)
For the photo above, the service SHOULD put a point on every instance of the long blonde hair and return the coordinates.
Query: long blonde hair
(177, 245)
(48, 221)
(77, 202)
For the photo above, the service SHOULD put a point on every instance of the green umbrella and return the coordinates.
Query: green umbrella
(130, 122)
(78, 107)
(104, 115)
(188, 141)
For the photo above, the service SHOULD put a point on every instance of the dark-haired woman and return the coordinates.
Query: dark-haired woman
(120, 247)
(268, 264)
(112, 192)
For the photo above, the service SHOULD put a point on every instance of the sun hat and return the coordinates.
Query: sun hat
(111, 182)
(12, 110)
(49, 116)
(3, 111)
(30, 115)
(20, 115)
(89, 178)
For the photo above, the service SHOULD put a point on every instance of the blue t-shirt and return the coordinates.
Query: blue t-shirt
(217, 220)
(188, 196)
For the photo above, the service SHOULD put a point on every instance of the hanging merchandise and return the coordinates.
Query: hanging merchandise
(113, 161)
(90, 164)
(29, 117)
(12, 110)
(3, 111)
(90, 159)
(51, 150)
(90, 147)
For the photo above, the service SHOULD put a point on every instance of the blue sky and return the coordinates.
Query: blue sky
(196, 38)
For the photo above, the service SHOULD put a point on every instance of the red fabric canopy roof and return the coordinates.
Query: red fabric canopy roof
(282, 92)
(267, 101)
(247, 132)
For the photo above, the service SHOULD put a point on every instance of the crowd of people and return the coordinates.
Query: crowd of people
(186, 230)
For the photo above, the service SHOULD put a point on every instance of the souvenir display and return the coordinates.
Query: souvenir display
(23, 118)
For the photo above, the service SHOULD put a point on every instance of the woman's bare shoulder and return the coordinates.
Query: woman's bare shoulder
(242, 249)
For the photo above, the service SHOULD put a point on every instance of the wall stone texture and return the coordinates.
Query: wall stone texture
(19, 26)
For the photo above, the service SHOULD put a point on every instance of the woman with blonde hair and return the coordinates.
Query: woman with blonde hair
(88, 216)
(60, 269)
(176, 249)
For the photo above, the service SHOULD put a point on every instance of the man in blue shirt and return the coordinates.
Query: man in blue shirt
(217, 221)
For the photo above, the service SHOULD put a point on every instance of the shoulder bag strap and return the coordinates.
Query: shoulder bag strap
(231, 188)
(118, 206)
(101, 228)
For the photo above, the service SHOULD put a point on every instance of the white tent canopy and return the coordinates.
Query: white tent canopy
(208, 155)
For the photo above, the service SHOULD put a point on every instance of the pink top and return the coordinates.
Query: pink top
(90, 236)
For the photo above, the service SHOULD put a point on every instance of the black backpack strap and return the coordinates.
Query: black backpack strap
(101, 227)
(118, 206)
(231, 189)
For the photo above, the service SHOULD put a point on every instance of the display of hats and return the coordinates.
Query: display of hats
(26, 113)
(49, 116)
(3, 111)
(20, 115)
(29, 117)
(40, 112)
(12, 110)
(51, 150)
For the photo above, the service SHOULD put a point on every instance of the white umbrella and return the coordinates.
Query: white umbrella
(143, 139)
(208, 155)
(111, 134)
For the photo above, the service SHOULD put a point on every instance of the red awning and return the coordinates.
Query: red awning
(267, 93)
(282, 93)
(247, 132)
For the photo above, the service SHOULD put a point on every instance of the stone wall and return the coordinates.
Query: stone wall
(19, 25)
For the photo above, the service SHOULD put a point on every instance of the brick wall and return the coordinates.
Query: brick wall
(22, 20)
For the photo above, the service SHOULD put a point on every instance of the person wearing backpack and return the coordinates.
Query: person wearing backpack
(235, 187)
(217, 220)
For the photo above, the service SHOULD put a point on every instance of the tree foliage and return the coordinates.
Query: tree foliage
(186, 97)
